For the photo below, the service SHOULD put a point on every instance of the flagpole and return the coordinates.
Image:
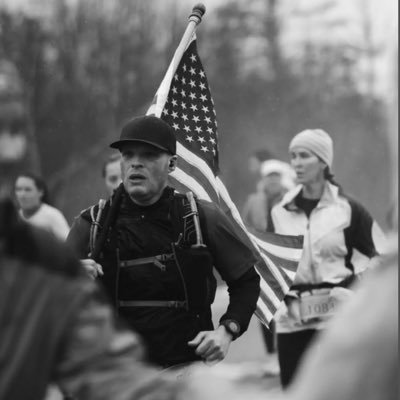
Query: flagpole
(194, 19)
(162, 93)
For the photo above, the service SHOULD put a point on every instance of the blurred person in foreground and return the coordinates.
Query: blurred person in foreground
(356, 358)
(333, 226)
(111, 173)
(33, 200)
(153, 261)
(56, 326)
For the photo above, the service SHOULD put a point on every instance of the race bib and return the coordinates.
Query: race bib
(317, 306)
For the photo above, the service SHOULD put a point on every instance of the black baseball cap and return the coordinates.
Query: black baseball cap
(147, 129)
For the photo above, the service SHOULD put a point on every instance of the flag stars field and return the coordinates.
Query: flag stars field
(189, 109)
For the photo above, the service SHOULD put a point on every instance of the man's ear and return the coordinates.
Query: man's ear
(173, 163)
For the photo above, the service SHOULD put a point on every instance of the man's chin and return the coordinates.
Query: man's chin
(136, 191)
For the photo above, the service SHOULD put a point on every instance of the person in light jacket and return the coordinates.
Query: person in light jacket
(333, 225)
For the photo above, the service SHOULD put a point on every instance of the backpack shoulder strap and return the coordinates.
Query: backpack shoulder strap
(186, 222)
(96, 217)
(106, 220)
(194, 214)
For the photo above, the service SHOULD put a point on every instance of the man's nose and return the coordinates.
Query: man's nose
(136, 161)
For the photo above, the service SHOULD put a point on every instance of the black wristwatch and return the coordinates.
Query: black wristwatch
(232, 327)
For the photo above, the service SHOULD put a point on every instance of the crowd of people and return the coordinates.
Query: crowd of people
(129, 293)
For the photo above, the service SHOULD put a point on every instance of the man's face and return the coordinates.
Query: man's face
(145, 170)
(112, 176)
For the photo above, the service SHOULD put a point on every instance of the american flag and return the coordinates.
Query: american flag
(184, 101)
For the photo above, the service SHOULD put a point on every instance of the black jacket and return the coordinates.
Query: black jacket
(148, 231)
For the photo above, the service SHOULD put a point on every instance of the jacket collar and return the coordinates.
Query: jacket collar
(329, 195)
(128, 203)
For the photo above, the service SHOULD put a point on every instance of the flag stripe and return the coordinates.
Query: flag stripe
(190, 184)
(197, 175)
(283, 252)
(284, 276)
(262, 313)
(198, 163)
(287, 265)
(267, 302)
(268, 276)
(281, 241)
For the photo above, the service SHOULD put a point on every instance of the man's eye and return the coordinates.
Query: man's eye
(151, 155)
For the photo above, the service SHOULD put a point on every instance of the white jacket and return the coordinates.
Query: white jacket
(336, 226)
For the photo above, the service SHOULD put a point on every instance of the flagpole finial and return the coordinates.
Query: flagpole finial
(197, 13)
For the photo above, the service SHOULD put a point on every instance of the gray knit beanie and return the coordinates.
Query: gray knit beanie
(317, 141)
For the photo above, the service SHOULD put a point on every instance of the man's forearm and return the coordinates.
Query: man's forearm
(243, 296)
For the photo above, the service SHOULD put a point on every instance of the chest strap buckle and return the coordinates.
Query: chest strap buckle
(158, 261)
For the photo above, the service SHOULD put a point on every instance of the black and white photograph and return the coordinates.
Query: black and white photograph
(199, 200)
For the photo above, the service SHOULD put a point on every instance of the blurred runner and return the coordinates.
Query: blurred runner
(278, 178)
(254, 212)
(111, 173)
(33, 199)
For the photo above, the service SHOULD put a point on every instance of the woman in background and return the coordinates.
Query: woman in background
(333, 225)
(32, 197)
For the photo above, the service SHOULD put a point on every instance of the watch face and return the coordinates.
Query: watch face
(233, 327)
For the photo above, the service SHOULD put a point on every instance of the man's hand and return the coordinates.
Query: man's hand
(212, 346)
(92, 268)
